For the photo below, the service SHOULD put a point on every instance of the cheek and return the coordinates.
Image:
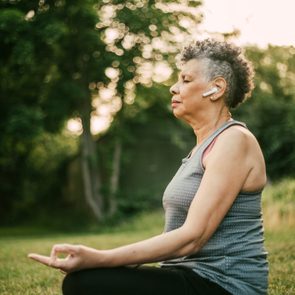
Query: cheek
(190, 91)
(185, 91)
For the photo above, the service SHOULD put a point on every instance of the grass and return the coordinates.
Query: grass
(18, 275)
(281, 247)
(279, 204)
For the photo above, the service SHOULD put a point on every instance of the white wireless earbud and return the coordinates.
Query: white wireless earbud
(211, 91)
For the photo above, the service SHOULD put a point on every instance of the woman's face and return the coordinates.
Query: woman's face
(187, 92)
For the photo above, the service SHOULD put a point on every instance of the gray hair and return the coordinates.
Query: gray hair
(225, 60)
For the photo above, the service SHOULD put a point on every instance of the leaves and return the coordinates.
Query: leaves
(270, 113)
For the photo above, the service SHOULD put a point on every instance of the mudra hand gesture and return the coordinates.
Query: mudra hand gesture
(77, 257)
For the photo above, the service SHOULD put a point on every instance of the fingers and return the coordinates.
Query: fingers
(48, 261)
(53, 259)
(63, 248)
(40, 258)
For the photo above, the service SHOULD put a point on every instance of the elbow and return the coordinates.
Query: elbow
(194, 240)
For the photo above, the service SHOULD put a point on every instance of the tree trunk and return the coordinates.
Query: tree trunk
(114, 182)
(90, 172)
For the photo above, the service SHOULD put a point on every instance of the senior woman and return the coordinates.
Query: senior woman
(213, 237)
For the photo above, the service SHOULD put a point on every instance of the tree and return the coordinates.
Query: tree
(142, 50)
(22, 92)
(59, 56)
(271, 111)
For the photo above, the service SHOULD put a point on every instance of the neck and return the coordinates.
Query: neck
(208, 124)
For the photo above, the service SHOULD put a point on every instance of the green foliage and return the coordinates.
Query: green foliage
(270, 113)
(27, 51)
(38, 182)
(54, 57)
(40, 89)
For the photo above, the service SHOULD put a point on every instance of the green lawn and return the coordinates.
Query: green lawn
(19, 275)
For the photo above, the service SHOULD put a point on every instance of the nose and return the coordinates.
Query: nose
(174, 89)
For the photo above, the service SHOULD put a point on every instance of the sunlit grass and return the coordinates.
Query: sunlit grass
(19, 275)
(281, 247)
(279, 204)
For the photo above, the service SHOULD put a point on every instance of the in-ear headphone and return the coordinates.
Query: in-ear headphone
(211, 91)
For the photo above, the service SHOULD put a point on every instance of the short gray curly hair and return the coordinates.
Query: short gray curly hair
(226, 60)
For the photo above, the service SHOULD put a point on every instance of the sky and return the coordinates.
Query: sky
(260, 21)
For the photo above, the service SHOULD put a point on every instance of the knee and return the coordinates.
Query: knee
(71, 284)
(88, 281)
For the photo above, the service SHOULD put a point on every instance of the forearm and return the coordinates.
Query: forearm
(169, 245)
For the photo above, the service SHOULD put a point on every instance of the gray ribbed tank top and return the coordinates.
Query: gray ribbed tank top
(234, 257)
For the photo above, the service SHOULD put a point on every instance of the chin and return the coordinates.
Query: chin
(177, 114)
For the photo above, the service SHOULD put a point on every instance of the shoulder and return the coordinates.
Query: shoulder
(234, 138)
(236, 143)
(238, 132)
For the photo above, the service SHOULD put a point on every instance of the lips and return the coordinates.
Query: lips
(175, 102)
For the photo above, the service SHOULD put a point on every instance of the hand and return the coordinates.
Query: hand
(78, 257)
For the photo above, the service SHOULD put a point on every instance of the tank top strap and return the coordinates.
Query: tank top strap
(216, 133)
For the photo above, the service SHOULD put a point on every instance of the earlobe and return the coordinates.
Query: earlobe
(221, 84)
(214, 97)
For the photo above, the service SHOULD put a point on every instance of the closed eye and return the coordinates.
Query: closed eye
(185, 78)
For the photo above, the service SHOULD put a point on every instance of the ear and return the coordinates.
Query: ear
(221, 84)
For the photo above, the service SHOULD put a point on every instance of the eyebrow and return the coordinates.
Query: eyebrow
(182, 75)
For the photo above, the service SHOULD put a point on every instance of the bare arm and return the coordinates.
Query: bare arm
(227, 169)
(164, 246)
